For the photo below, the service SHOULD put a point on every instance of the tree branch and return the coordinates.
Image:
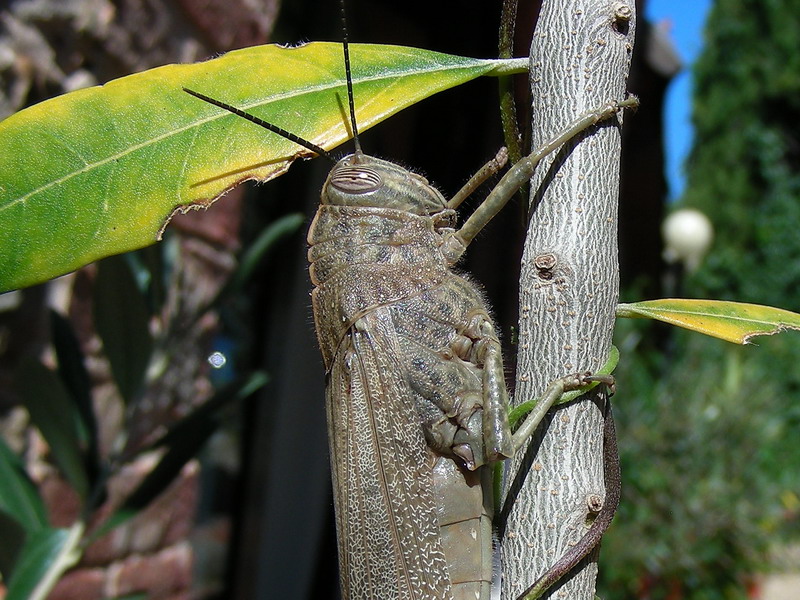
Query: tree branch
(569, 286)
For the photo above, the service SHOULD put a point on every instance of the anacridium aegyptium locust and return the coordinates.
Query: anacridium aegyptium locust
(416, 397)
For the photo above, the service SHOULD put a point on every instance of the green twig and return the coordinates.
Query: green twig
(508, 109)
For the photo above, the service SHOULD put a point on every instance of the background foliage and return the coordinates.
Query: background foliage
(710, 433)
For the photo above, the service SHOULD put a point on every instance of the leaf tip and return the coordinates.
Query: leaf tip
(779, 328)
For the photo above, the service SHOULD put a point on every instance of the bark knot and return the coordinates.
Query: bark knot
(594, 502)
(545, 263)
(622, 18)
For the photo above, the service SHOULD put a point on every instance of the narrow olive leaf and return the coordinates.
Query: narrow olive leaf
(735, 322)
(73, 374)
(255, 255)
(54, 413)
(13, 535)
(122, 322)
(208, 415)
(100, 171)
(44, 557)
(259, 249)
(183, 441)
(19, 497)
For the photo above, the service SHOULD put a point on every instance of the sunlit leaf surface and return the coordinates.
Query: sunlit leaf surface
(100, 171)
(731, 321)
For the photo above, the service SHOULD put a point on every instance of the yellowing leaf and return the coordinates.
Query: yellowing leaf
(100, 171)
(734, 322)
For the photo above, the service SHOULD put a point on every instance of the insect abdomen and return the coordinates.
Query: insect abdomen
(464, 508)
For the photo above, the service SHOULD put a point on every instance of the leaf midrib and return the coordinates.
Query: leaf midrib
(278, 97)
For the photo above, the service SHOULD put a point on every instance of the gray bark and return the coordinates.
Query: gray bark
(580, 59)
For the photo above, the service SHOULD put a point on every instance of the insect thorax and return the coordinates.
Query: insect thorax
(364, 257)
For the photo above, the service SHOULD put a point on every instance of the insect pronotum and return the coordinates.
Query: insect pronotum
(416, 398)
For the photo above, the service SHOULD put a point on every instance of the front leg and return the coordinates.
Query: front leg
(456, 243)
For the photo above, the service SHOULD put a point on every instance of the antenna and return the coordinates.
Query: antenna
(288, 134)
(349, 77)
(266, 125)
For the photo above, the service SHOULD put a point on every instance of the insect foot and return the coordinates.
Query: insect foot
(553, 395)
(609, 381)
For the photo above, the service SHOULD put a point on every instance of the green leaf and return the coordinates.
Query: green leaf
(100, 171)
(735, 322)
(58, 419)
(45, 556)
(183, 442)
(19, 497)
(13, 536)
(73, 374)
(122, 321)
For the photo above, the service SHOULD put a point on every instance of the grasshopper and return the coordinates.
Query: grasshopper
(415, 397)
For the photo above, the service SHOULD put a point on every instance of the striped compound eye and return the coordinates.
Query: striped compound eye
(356, 180)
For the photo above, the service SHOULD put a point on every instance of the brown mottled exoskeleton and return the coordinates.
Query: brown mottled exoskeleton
(415, 380)
(416, 397)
